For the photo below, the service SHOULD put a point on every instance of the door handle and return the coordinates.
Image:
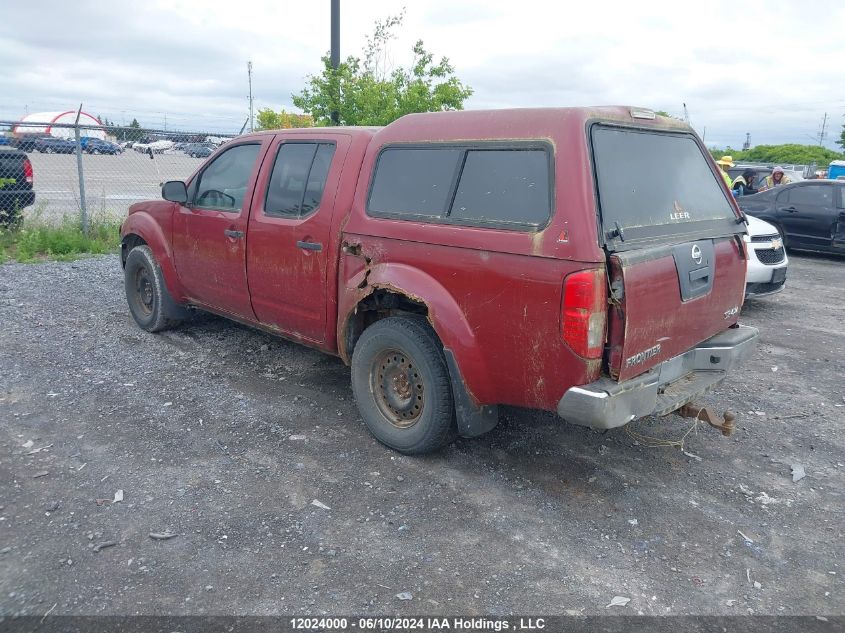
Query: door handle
(233, 233)
(790, 209)
(309, 246)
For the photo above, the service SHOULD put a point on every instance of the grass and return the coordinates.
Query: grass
(34, 239)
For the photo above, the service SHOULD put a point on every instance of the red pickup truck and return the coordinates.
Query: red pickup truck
(587, 261)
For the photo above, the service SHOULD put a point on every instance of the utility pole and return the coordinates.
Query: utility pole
(823, 132)
(747, 145)
(83, 203)
(335, 56)
(249, 75)
(686, 114)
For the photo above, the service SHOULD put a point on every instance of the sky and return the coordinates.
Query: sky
(772, 69)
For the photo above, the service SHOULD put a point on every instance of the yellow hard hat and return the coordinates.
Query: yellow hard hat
(727, 161)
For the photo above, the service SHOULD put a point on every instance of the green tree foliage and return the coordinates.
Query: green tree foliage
(841, 141)
(133, 132)
(268, 119)
(367, 92)
(790, 153)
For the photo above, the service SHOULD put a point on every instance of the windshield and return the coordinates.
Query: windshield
(653, 185)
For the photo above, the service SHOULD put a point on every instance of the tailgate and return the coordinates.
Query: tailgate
(673, 238)
(11, 171)
(668, 299)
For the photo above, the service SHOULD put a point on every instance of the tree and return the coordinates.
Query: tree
(841, 141)
(787, 154)
(366, 92)
(267, 119)
(133, 132)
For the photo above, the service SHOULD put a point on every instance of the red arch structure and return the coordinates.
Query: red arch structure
(41, 123)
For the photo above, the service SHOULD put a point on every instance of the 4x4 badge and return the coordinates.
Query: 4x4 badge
(696, 254)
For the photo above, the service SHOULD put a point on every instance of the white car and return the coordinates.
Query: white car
(767, 259)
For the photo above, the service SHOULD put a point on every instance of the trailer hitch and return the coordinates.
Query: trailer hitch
(725, 423)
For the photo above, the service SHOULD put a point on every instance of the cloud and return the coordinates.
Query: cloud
(770, 70)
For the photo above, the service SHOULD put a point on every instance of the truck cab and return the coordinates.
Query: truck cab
(587, 261)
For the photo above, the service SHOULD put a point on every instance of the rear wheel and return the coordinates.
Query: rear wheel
(149, 302)
(401, 385)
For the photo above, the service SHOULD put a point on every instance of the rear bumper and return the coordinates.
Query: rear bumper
(607, 404)
(18, 199)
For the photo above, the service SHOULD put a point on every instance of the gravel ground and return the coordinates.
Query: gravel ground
(250, 452)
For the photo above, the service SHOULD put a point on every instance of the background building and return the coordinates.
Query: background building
(42, 124)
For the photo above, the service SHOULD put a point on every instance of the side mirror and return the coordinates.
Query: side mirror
(175, 191)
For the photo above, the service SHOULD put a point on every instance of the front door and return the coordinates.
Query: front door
(289, 234)
(209, 233)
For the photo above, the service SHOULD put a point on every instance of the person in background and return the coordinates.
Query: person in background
(724, 163)
(777, 179)
(743, 184)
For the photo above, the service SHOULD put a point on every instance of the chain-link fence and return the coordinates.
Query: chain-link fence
(51, 170)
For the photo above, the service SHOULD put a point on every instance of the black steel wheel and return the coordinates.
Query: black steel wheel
(401, 384)
(146, 293)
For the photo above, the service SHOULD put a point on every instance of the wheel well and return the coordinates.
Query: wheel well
(127, 244)
(376, 306)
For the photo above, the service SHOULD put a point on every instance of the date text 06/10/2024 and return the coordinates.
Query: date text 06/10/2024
(476, 624)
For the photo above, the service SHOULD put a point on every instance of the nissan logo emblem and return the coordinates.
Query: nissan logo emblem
(696, 254)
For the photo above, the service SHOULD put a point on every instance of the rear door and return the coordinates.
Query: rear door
(289, 233)
(808, 214)
(673, 241)
(12, 177)
(209, 233)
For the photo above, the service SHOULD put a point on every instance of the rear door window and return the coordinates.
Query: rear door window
(298, 179)
(656, 186)
(812, 195)
(503, 186)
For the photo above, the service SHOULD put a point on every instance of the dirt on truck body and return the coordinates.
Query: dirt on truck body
(459, 261)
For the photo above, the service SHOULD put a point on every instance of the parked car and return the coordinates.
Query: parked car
(809, 215)
(98, 146)
(767, 260)
(454, 260)
(25, 143)
(51, 145)
(157, 147)
(16, 179)
(199, 150)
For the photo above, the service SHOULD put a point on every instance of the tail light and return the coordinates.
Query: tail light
(584, 312)
(27, 170)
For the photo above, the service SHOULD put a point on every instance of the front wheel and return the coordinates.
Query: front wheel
(149, 302)
(401, 384)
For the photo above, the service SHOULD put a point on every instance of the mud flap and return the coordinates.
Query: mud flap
(472, 420)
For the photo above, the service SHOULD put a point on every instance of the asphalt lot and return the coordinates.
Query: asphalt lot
(224, 438)
(112, 183)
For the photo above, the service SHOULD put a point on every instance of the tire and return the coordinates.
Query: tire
(10, 218)
(146, 293)
(401, 385)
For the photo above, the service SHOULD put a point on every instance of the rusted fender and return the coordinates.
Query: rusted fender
(145, 226)
(444, 314)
